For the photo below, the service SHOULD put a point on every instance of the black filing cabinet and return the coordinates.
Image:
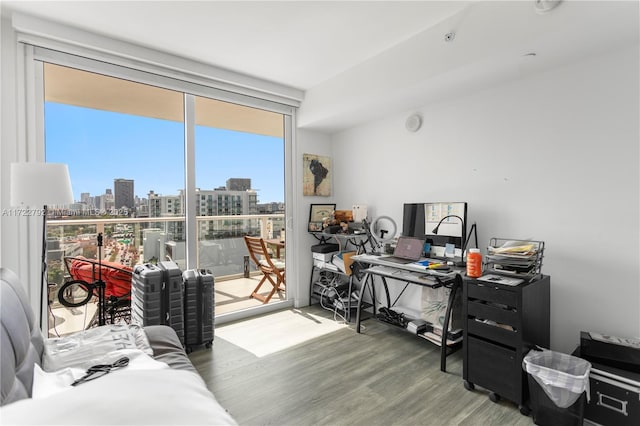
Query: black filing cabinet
(501, 324)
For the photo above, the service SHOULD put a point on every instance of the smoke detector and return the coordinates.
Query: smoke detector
(545, 6)
(413, 123)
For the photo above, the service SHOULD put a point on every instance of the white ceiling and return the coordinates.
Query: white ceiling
(296, 43)
(358, 60)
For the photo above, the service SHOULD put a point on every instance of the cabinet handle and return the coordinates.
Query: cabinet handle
(604, 399)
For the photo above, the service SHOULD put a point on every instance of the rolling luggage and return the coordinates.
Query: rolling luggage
(157, 296)
(198, 308)
(173, 297)
(146, 288)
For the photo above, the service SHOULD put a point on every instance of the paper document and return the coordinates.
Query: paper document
(491, 278)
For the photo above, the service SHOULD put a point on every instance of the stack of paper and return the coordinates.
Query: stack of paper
(515, 257)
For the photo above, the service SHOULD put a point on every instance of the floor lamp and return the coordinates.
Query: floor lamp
(40, 184)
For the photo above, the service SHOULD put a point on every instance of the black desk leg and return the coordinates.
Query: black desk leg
(313, 269)
(386, 291)
(445, 327)
(365, 283)
(359, 308)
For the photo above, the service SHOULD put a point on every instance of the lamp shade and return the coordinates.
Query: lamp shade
(40, 184)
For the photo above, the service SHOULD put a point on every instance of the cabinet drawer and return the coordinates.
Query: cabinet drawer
(494, 368)
(492, 294)
(496, 334)
(493, 313)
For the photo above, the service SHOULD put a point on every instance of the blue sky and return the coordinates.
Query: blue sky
(100, 146)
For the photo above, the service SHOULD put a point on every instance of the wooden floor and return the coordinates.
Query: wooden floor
(383, 376)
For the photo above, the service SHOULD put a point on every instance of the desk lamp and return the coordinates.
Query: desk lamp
(435, 230)
(466, 241)
(40, 184)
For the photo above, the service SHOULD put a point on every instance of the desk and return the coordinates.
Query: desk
(275, 243)
(325, 274)
(410, 274)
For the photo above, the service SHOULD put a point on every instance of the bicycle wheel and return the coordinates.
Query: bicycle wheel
(75, 293)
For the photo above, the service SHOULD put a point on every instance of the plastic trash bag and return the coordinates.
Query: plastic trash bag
(562, 377)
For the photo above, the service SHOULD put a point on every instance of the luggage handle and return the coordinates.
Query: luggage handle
(603, 402)
(140, 268)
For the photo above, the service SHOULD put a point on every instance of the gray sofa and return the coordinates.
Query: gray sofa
(175, 395)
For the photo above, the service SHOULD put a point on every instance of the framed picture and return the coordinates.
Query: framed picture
(316, 175)
(317, 214)
(315, 227)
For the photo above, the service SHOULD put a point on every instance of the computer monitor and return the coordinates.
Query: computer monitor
(420, 219)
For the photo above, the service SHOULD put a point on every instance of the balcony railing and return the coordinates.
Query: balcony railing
(132, 241)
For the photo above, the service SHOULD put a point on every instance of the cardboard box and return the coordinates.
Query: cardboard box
(343, 261)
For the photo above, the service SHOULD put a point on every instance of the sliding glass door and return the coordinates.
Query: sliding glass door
(151, 190)
(239, 164)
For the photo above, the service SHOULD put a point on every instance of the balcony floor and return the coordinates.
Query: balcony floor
(230, 295)
(233, 295)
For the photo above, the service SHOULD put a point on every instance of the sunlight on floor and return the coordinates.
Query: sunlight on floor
(277, 331)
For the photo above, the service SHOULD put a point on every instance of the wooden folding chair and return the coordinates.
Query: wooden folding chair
(273, 270)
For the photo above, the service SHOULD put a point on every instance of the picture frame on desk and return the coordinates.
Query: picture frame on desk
(315, 227)
(318, 212)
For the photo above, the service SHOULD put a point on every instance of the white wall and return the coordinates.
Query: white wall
(308, 142)
(7, 131)
(551, 157)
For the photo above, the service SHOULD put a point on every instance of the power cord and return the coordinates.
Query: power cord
(54, 320)
(392, 317)
(336, 314)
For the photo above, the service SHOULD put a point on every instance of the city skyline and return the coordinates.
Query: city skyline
(100, 146)
(176, 193)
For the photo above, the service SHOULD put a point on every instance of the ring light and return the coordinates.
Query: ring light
(384, 229)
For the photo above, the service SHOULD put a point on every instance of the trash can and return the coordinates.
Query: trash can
(558, 387)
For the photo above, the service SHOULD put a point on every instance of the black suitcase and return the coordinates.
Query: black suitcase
(199, 303)
(173, 298)
(146, 292)
(156, 296)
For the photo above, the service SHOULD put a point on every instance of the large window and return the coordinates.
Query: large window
(130, 158)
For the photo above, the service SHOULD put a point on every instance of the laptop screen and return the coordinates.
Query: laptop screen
(409, 248)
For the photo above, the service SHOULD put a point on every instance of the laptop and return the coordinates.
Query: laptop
(408, 250)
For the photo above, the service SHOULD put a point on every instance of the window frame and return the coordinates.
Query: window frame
(36, 56)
